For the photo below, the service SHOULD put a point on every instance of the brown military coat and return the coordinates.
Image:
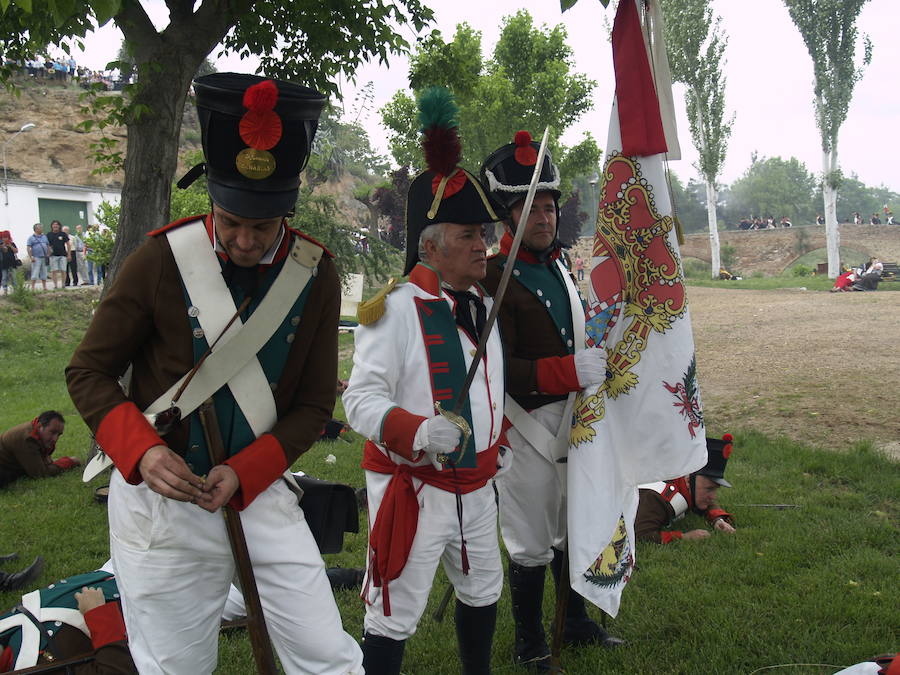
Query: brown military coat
(528, 334)
(143, 321)
(23, 455)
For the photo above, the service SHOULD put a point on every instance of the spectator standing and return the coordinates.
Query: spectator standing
(59, 253)
(25, 449)
(579, 267)
(8, 261)
(77, 263)
(39, 251)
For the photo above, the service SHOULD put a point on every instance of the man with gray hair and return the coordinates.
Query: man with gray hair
(39, 251)
(428, 485)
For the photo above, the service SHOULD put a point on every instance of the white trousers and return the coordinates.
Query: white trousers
(437, 539)
(174, 567)
(532, 502)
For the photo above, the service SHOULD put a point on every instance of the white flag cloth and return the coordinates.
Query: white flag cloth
(644, 423)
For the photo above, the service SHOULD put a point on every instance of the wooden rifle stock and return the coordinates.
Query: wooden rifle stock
(256, 622)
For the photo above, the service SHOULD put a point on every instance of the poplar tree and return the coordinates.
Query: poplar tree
(828, 28)
(695, 46)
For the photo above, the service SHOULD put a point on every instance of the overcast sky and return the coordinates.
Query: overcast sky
(768, 69)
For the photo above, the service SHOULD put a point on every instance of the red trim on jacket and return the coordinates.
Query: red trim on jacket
(398, 430)
(426, 278)
(105, 624)
(523, 253)
(257, 466)
(556, 375)
(670, 536)
(6, 660)
(397, 520)
(125, 435)
(177, 223)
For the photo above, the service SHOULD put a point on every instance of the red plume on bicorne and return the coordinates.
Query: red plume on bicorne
(442, 149)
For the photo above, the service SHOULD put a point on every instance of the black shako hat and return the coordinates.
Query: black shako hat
(718, 450)
(257, 135)
(444, 192)
(506, 173)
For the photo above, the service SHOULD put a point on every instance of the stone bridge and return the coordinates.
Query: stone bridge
(771, 251)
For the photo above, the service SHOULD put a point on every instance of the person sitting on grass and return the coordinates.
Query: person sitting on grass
(25, 449)
(666, 501)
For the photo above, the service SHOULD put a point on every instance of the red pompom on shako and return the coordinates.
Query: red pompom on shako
(260, 127)
(525, 154)
(726, 451)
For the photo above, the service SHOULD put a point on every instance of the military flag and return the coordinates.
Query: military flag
(644, 423)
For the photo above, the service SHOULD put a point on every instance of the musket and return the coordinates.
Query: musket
(455, 417)
(256, 622)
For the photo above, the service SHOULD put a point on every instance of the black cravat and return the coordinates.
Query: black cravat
(245, 278)
(469, 321)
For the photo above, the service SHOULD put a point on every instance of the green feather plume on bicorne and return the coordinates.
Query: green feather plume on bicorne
(437, 109)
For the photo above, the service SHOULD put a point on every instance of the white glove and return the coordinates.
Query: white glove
(590, 366)
(437, 435)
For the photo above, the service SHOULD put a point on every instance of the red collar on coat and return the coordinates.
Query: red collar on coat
(46, 449)
(524, 254)
(429, 280)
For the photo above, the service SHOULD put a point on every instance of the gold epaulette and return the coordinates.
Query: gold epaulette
(369, 311)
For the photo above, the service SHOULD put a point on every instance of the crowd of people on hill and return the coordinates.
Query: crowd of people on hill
(62, 69)
(769, 222)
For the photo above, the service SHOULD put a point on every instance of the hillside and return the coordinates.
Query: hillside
(56, 150)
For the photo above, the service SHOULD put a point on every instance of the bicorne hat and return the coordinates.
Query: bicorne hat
(257, 135)
(507, 171)
(444, 192)
(718, 450)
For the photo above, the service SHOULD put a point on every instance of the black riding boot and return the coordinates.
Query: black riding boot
(580, 629)
(526, 586)
(11, 582)
(475, 635)
(382, 655)
(9, 557)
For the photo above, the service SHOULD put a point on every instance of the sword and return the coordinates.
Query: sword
(455, 417)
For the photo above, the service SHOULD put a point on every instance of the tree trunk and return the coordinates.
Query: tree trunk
(151, 157)
(714, 258)
(829, 195)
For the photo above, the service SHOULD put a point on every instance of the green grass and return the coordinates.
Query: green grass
(811, 283)
(815, 584)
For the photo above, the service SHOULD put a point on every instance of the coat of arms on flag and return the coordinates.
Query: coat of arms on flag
(640, 425)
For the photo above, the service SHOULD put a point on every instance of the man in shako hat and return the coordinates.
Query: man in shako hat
(542, 324)
(664, 502)
(236, 306)
(430, 500)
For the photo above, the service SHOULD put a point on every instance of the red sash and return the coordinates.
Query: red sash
(397, 519)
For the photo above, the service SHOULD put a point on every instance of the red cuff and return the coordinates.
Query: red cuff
(105, 624)
(713, 514)
(669, 537)
(398, 430)
(65, 463)
(257, 466)
(556, 375)
(125, 435)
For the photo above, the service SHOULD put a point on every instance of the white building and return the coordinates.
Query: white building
(26, 203)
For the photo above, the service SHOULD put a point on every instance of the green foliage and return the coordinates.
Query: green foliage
(317, 216)
(854, 195)
(773, 186)
(695, 269)
(802, 271)
(341, 147)
(101, 241)
(695, 46)
(828, 28)
(728, 255)
(22, 294)
(528, 83)
(690, 202)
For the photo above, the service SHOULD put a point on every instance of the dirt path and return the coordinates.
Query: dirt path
(819, 367)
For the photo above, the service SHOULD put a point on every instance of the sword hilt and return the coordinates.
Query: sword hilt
(459, 422)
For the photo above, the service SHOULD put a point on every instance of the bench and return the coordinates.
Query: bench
(890, 272)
